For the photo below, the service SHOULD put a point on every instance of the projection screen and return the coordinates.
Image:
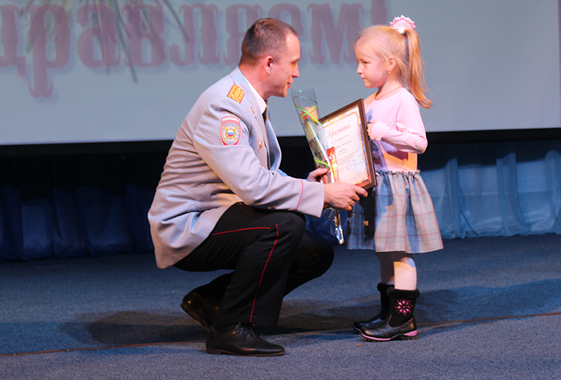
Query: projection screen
(116, 70)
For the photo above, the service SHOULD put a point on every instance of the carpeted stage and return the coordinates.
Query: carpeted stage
(490, 308)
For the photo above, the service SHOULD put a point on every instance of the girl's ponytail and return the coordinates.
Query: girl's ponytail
(398, 40)
(415, 75)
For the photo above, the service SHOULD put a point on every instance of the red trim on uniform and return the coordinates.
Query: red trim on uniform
(241, 229)
(262, 274)
(301, 195)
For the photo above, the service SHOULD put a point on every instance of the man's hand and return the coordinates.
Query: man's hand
(338, 195)
(317, 174)
(342, 195)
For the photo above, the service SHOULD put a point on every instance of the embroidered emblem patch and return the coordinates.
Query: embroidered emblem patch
(236, 93)
(230, 130)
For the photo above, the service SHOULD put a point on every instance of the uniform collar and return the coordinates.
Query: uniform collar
(260, 102)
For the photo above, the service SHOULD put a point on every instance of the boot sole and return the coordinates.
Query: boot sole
(412, 335)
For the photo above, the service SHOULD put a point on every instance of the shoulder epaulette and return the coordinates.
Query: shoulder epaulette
(236, 93)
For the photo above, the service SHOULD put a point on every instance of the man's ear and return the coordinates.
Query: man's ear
(268, 63)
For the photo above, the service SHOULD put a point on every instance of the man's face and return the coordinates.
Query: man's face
(284, 69)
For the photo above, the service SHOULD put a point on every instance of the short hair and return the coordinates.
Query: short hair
(267, 36)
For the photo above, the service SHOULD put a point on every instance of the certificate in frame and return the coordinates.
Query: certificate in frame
(349, 152)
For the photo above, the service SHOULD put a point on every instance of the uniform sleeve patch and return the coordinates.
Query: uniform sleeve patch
(236, 93)
(230, 130)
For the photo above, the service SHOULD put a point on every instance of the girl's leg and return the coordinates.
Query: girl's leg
(405, 271)
(387, 274)
(387, 281)
(398, 269)
(400, 323)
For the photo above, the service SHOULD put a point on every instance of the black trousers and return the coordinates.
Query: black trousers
(271, 253)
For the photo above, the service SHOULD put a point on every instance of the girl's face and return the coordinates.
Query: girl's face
(372, 71)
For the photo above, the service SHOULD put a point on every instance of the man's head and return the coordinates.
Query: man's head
(270, 55)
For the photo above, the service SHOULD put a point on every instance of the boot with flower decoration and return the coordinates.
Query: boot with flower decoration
(382, 315)
(401, 323)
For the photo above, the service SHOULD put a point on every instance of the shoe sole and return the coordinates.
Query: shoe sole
(412, 335)
(196, 316)
(218, 351)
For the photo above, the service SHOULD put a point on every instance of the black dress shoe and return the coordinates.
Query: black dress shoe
(240, 340)
(200, 309)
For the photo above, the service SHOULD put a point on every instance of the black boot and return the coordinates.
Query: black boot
(401, 323)
(382, 315)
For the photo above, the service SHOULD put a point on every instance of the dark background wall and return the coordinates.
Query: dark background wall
(92, 199)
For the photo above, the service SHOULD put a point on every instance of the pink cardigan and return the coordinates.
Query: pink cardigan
(399, 132)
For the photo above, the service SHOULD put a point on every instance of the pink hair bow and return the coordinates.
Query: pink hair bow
(401, 23)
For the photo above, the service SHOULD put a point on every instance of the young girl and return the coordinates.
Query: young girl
(399, 219)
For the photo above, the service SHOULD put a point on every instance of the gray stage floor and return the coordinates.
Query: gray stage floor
(490, 308)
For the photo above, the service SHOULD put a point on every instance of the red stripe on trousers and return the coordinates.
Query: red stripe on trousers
(241, 229)
(262, 274)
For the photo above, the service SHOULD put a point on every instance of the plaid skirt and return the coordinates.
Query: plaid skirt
(399, 216)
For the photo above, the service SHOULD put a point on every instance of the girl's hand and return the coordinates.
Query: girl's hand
(376, 130)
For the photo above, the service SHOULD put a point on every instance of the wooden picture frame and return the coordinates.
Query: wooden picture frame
(349, 151)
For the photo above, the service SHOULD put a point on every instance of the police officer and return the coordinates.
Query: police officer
(223, 203)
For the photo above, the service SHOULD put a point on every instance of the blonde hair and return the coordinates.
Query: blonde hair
(386, 42)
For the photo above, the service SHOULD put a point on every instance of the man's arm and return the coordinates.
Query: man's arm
(238, 161)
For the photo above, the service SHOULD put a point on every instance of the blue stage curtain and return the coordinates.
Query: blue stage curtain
(57, 207)
(496, 189)
(489, 189)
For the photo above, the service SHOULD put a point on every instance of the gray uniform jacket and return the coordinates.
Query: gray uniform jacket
(223, 153)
